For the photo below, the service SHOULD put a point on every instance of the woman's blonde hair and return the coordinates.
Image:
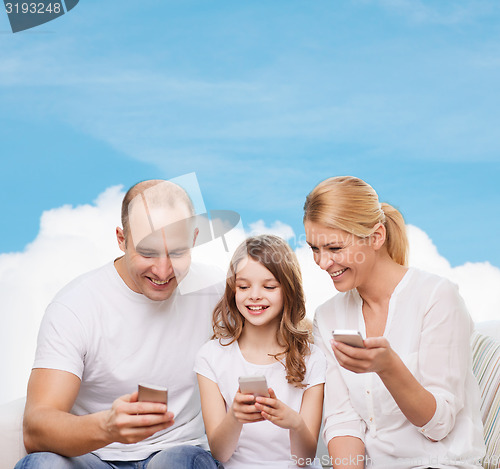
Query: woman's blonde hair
(350, 204)
(276, 256)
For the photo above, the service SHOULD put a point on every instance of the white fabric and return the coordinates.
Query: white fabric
(113, 338)
(261, 444)
(429, 328)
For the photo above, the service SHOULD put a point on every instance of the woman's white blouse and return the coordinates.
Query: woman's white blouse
(429, 327)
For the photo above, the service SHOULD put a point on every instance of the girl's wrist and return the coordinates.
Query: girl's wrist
(297, 423)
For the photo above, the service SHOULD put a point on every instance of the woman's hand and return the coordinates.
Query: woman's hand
(244, 410)
(377, 357)
(277, 412)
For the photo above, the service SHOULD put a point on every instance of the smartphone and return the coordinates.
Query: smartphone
(256, 385)
(153, 393)
(349, 337)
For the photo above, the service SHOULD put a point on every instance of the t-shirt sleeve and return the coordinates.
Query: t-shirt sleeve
(204, 360)
(316, 367)
(61, 341)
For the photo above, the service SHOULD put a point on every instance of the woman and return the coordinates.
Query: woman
(409, 398)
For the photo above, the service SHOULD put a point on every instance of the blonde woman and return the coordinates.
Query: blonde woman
(407, 399)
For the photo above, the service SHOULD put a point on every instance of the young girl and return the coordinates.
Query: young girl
(256, 331)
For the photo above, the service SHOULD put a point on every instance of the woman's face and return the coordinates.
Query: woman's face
(347, 258)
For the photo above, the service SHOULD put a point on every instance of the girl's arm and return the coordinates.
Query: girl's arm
(346, 452)
(303, 426)
(223, 427)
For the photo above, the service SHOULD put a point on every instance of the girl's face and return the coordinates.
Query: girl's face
(259, 296)
(346, 257)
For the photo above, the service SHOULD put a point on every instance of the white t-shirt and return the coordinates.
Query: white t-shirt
(113, 338)
(261, 445)
(429, 328)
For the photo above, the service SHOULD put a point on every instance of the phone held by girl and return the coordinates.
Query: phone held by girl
(258, 331)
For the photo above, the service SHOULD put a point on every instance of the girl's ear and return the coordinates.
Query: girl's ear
(378, 237)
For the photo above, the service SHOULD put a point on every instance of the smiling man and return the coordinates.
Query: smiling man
(139, 319)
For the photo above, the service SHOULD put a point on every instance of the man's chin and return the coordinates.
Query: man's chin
(163, 293)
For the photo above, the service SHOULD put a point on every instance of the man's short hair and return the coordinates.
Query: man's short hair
(170, 196)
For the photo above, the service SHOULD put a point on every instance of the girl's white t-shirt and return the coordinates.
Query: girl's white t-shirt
(261, 444)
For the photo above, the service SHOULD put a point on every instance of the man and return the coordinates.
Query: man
(139, 319)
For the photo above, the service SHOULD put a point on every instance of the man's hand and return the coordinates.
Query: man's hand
(130, 421)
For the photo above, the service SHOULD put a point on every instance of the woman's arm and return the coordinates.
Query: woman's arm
(303, 426)
(346, 452)
(224, 428)
(416, 403)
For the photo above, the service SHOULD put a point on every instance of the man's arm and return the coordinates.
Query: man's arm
(49, 426)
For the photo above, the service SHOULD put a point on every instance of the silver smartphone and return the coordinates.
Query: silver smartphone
(349, 336)
(153, 393)
(256, 385)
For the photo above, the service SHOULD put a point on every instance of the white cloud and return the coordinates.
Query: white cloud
(73, 240)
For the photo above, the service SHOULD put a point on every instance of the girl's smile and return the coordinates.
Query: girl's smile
(258, 295)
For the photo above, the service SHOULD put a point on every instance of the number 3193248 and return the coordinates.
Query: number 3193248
(33, 7)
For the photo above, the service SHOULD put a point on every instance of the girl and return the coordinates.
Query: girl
(256, 332)
(409, 398)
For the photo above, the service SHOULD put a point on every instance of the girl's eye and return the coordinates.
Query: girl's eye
(241, 287)
(270, 287)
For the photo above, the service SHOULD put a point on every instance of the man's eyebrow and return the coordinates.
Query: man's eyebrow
(145, 251)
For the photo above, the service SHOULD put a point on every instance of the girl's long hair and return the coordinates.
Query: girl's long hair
(228, 323)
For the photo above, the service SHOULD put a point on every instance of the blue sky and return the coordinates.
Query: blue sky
(262, 100)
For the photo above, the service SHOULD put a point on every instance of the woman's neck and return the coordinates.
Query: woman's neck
(258, 344)
(381, 282)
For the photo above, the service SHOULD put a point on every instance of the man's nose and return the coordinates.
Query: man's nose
(163, 267)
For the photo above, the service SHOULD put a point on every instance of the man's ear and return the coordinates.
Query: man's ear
(378, 237)
(196, 232)
(120, 237)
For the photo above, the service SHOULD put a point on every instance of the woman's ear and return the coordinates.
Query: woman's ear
(378, 237)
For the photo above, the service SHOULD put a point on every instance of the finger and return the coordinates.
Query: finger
(135, 434)
(147, 408)
(129, 397)
(244, 398)
(247, 418)
(151, 420)
(265, 409)
(272, 394)
(354, 352)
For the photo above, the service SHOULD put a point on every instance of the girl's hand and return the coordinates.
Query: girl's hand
(243, 408)
(377, 357)
(277, 412)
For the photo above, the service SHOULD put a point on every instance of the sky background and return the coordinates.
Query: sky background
(262, 100)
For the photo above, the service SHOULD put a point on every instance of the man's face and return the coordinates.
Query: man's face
(156, 264)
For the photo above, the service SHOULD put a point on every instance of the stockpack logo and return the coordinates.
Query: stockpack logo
(29, 14)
